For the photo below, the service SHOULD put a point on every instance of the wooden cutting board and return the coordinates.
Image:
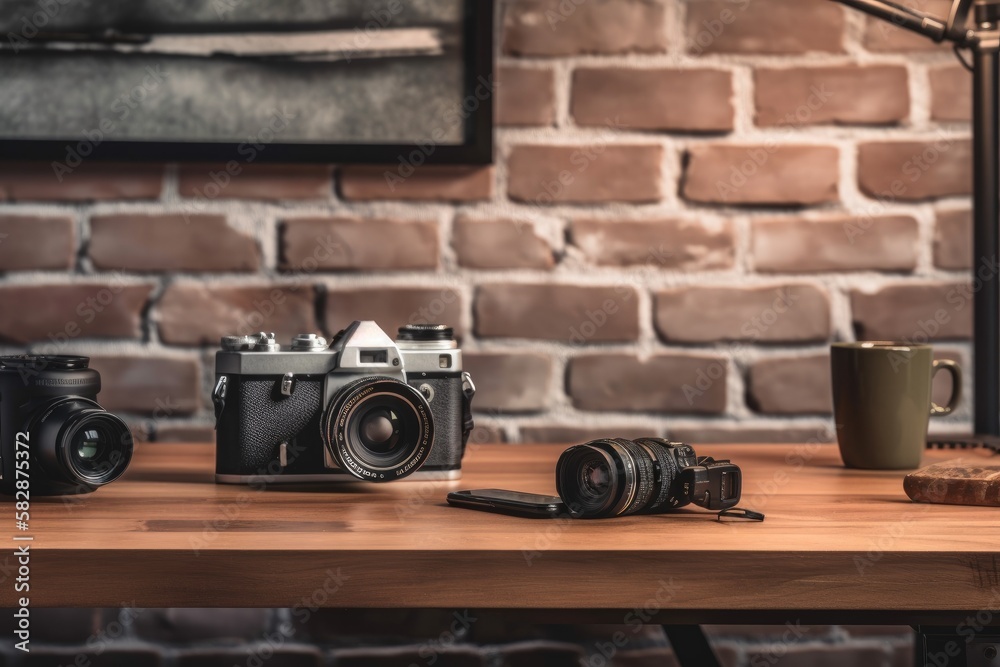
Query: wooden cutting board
(957, 482)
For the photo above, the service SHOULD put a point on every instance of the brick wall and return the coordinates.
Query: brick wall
(131, 637)
(691, 201)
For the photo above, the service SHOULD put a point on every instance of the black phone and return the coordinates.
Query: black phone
(514, 503)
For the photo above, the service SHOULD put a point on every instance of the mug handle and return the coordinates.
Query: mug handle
(956, 386)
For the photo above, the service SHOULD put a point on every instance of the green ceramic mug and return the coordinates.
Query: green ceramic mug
(882, 401)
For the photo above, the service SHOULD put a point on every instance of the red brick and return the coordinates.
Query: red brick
(162, 386)
(91, 181)
(37, 243)
(359, 244)
(666, 383)
(416, 183)
(546, 174)
(573, 314)
(145, 243)
(570, 435)
(266, 653)
(191, 313)
(839, 243)
(761, 174)
(268, 182)
(780, 27)
(526, 96)
(885, 36)
(951, 93)
(953, 240)
(915, 170)
(510, 382)
(770, 314)
(500, 244)
(749, 434)
(392, 307)
(682, 100)
(661, 244)
(842, 94)
(186, 626)
(914, 313)
(58, 313)
(555, 28)
(790, 385)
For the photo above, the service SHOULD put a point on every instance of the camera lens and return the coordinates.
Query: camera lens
(615, 477)
(88, 444)
(378, 429)
(81, 442)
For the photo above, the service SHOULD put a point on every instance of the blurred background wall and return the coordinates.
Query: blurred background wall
(691, 200)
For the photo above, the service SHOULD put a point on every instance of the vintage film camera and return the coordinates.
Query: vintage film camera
(54, 437)
(363, 407)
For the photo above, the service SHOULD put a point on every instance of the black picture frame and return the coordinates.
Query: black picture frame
(477, 148)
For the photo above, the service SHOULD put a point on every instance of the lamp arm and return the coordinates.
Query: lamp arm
(904, 17)
(957, 20)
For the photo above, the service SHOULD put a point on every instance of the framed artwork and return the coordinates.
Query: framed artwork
(360, 81)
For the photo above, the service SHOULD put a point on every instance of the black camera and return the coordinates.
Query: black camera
(54, 437)
(617, 477)
(363, 407)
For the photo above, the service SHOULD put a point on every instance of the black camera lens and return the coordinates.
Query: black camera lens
(83, 443)
(615, 477)
(605, 478)
(40, 362)
(378, 429)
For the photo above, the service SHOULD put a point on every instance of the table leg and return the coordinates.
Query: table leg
(691, 646)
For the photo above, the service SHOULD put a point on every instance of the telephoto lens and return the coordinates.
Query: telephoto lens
(615, 477)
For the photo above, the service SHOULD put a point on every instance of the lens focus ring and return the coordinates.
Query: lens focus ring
(378, 429)
(667, 473)
(644, 476)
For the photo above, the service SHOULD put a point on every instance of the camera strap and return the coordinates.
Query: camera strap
(740, 513)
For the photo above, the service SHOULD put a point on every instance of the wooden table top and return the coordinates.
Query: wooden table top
(834, 539)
